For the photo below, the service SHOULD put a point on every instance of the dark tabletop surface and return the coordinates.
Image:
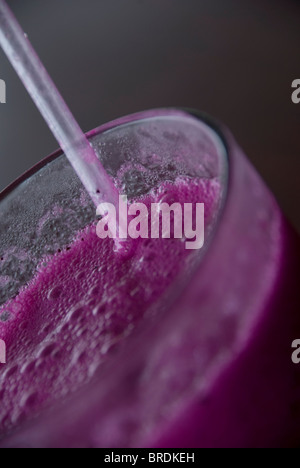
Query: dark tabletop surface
(235, 59)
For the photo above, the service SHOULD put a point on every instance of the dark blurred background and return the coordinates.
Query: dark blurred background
(235, 59)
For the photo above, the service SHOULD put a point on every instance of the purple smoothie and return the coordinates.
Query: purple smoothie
(83, 303)
(167, 348)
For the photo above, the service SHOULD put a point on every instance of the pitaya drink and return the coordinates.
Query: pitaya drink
(166, 347)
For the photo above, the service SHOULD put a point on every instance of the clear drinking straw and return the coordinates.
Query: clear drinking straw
(53, 108)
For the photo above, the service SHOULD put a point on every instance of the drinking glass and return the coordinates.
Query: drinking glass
(210, 363)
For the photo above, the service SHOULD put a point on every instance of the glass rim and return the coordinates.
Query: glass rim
(221, 147)
(205, 118)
